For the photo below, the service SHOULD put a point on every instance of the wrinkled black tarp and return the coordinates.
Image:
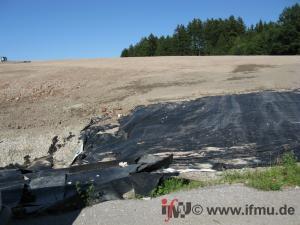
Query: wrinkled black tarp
(28, 192)
(256, 127)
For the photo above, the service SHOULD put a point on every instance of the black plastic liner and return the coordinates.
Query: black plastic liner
(253, 128)
(29, 192)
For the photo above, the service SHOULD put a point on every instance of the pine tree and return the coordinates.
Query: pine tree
(195, 31)
(182, 41)
(289, 36)
(124, 53)
(226, 36)
(152, 45)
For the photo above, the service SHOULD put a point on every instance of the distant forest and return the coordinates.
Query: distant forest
(226, 37)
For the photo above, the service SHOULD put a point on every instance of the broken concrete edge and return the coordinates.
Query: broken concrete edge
(28, 192)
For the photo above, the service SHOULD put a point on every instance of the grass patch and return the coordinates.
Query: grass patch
(273, 178)
(175, 184)
(87, 193)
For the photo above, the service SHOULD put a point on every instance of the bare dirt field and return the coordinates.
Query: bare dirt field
(40, 100)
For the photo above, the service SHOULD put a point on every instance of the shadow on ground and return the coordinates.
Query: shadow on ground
(66, 218)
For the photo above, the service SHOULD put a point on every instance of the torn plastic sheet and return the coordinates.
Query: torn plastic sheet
(30, 192)
(231, 131)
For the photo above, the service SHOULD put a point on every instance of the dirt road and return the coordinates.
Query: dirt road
(39, 100)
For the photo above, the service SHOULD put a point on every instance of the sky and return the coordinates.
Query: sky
(72, 29)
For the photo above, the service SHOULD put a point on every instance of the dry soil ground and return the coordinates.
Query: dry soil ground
(39, 100)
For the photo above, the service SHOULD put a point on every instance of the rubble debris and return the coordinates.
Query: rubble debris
(123, 164)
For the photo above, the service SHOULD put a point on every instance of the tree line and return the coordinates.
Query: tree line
(227, 36)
